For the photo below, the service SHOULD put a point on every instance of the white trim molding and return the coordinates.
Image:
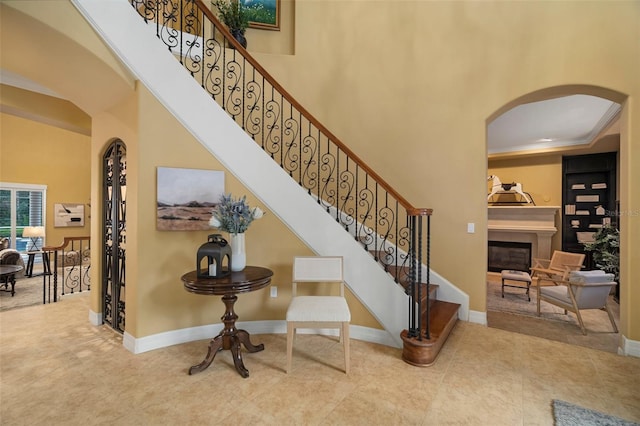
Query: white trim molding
(629, 347)
(478, 317)
(185, 335)
(95, 318)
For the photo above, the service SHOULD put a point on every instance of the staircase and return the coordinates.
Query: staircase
(256, 128)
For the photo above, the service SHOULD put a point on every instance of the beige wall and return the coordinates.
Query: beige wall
(39, 154)
(541, 177)
(156, 299)
(410, 90)
(48, 49)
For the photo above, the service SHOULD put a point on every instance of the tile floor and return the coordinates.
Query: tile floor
(58, 369)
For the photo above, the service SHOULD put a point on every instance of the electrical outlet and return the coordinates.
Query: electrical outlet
(274, 291)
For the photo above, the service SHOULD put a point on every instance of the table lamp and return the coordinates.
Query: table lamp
(33, 232)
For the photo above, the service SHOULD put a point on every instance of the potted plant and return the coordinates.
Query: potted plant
(606, 251)
(233, 14)
(234, 216)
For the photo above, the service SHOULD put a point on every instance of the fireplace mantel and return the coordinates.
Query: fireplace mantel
(533, 224)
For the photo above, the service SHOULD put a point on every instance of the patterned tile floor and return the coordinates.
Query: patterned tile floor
(57, 369)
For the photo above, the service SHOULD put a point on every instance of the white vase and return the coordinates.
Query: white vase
(238, 253)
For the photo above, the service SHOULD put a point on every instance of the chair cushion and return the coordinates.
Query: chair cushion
(592, 296)
(586, 277)
(586, 297)
(318, 308)
(556, 292)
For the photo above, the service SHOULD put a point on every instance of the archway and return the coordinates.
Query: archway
(540, 168)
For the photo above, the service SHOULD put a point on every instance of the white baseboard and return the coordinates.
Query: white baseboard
(161, 340)
(629, 347)
(478, 317)
(95, 318)
(175, 337)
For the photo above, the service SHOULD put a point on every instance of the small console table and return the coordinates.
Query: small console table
(31, 261)
(249, 279)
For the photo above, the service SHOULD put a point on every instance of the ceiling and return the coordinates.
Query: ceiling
(562, 122)
(12, 79)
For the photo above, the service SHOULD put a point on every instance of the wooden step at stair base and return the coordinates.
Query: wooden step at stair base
(423, 353)
(433, 294)
(433, 288)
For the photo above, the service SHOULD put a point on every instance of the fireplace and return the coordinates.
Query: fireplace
(508, 255)
(534, 225)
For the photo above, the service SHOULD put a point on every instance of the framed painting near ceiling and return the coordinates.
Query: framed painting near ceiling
(68, 214)
(186, 197)
(263, 14)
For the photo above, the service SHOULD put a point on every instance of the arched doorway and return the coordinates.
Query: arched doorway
(540, 170)
(114, 171)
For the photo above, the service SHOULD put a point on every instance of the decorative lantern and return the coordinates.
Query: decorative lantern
(214, 250)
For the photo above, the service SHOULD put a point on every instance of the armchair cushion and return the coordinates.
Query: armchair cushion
(558, 293)
(592, 296)
(586, 277)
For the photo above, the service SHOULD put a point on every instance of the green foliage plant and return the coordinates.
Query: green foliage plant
(606, 250)
(233, 14)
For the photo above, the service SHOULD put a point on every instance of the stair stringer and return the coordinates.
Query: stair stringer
(125, 32)
(446, 290)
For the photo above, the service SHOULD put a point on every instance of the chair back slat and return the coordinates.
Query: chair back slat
(318, 269)
(561, 260)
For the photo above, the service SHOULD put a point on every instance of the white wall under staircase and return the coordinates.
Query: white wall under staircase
(149, 60)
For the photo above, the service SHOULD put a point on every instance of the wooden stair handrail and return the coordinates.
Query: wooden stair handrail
(272, 81)
(65, 243)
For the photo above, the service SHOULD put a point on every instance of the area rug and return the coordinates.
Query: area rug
(515, 301)
(28, 293)
(567, 414)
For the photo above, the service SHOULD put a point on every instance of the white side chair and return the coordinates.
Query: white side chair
(318, 312)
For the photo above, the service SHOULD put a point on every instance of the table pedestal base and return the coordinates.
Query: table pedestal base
(229, 338)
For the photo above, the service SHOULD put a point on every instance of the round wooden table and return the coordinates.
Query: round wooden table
(8, 276)
(249, 279)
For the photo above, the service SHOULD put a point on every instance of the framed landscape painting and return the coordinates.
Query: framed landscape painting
(186, 197)
(263, 14)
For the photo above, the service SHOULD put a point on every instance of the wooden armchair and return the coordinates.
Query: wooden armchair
(557, 268)
(583, 290)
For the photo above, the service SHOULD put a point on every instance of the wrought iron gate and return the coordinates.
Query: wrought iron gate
(114, 213)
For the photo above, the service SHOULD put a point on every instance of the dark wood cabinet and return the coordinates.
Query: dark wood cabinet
(588, 198)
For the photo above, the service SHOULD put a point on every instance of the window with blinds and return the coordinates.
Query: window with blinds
(21, 205)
